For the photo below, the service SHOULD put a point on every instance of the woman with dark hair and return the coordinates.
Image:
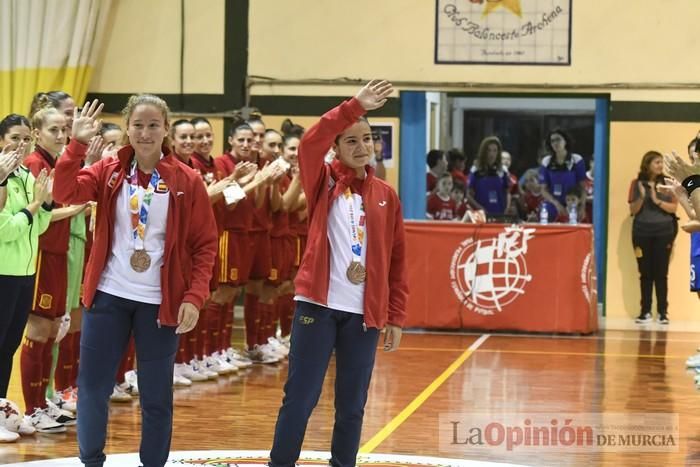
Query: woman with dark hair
(352, 280)
(489, 180)
(560, 171)
(653, 231)
(24, 216)
(456, 163)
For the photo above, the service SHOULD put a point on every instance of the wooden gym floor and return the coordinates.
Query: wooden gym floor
(433, 374)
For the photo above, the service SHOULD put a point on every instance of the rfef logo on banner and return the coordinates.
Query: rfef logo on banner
(487, 274)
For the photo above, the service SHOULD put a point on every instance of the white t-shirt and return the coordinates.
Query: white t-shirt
(118, 278)
(343, 295)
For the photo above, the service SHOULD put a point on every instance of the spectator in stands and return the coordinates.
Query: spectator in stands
(514, 190)
(653, 232)
(441, 206)
(456, 163)
(458, 192)
(560, 171)
(531, 197)
(489, 181)
(573, 202)
(378, 160)
(437, 165)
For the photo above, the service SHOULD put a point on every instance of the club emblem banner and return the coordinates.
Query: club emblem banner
(503, 32)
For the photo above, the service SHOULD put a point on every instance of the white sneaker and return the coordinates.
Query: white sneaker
(259, 355)
(199, 367)
(7, 436)
(179, 380)
(272, 351)
(233, 356)
(219, 365)
(42, 423)
(25, 428)
(286, 340)
(120, 395)
(64, 417)
(66, 400)
(278, 347)
(131, 383)
(693, 362)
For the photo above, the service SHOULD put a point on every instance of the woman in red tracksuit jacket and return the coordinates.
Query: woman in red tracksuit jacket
(153, 219)
(351, 283)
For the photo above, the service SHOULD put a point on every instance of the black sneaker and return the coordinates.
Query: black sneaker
(663, 319)
(643, 318)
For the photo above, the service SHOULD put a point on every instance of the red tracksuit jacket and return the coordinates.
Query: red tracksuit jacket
(386, 289)
(190, 230)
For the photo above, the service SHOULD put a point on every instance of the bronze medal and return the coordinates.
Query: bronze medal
(356, 273)
(140, 261)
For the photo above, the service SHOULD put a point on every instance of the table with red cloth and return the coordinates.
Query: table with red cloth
(527, 277)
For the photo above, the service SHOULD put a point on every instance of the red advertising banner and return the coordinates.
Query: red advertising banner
(527, 277)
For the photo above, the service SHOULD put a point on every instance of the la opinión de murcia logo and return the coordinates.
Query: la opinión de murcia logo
(488, 274)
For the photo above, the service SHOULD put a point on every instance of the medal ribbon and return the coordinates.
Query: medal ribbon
(139, 210)
(357, 233)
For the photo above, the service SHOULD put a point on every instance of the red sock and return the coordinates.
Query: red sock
(30, 363)
(46, 366)
(261, 323)
(250, 314)
(76, 359)
(181, 356)
(226, 328)
(214, 321)
(64, 364)
(285, 305)
(201, 330)
(191, 344)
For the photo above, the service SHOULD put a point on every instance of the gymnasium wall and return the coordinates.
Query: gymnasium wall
(638, 52)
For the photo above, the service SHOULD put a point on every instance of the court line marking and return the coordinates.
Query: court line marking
(389, 428)
(544, 352)
(657, 332)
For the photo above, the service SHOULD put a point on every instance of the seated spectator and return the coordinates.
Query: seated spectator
(441, 206)
(530, 195)
(489, 181)
(456, 163)
(461, 206)
(437, 164)
(573, 201)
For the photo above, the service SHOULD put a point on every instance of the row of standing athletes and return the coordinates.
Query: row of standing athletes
(262, 238)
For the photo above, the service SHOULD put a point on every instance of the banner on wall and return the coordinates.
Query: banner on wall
(383, 138)
(503, 32)
(500, 277)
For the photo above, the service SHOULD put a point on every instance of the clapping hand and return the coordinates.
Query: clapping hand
(244, 172)
(672, 187)
(42, 193)
(678, 168)
(95, 149)
(10, 160)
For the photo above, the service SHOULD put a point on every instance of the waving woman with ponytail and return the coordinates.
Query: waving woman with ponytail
(154, 219)
(352, 280)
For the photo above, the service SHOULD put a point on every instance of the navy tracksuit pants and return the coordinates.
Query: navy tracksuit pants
(107, 326)
(316, 331)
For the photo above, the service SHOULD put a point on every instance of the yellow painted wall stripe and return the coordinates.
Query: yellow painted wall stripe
(384, 433)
